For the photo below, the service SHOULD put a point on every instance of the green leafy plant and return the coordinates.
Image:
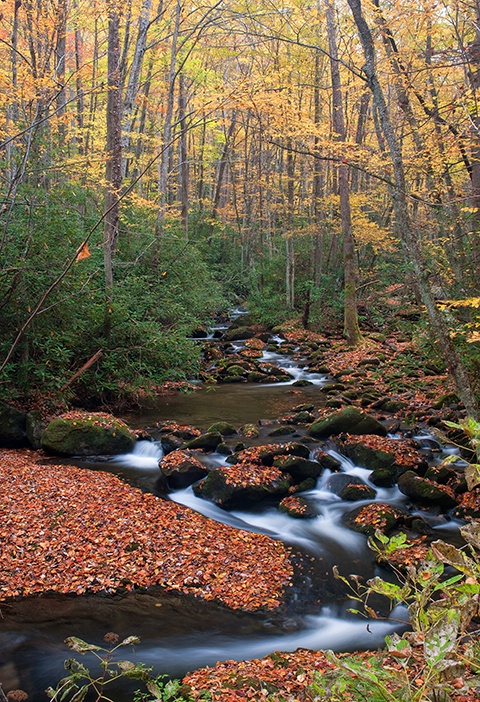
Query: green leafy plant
(80, 681)
(442, 596)
(471, 428)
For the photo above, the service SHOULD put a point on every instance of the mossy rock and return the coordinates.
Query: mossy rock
(302, 418)
(87, 435)
(230, 487)
(450, 398)
(393, 406)
(207, 442)
(328, 461)
(302, 383)
(350, 420)
(377, 336)
(284, 378)
(231, 379)
(250, 431)
(13, 427)
(303, 408)
(256, 377)
(35, 426)
(268, 454)
(334, 403)
(224, 428)
(298, 468)
(354, 493)
(239, 333)
(371, 361)
(376, 516)
(235, 370)
(425, 491)
(334, 388)
(282, 430)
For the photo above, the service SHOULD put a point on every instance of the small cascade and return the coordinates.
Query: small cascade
(290, 366)
(145, 455)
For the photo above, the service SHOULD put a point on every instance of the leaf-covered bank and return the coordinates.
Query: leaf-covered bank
(70, 530)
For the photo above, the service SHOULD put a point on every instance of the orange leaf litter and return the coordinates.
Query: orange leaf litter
(73, 530)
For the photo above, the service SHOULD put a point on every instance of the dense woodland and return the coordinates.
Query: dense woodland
(164, 160)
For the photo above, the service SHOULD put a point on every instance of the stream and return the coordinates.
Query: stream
(178, 633)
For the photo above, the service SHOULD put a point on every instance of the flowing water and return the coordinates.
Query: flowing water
(179, 634)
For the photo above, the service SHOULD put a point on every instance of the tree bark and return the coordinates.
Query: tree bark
(351, 328)
(113, 171)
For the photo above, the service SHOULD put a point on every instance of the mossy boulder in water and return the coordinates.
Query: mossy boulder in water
(13, 427)
(350, 487)
(242, 484)
(425, 491)
(207, 442)
(350, 420)
(224, 428)
(84, 434)
(297, 507)
(298, 468)
(378, 516)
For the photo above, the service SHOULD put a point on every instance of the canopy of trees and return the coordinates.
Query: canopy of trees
(160, 157)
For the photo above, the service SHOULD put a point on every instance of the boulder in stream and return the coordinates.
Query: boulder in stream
(224, 428)
(377, 516)
(426, 491)
(349, 420)
(181, 469)
(298, 468)
(207, 442)
(350, 487)
(297, 507)
(242, 483)
(387, 458)
(87, 434)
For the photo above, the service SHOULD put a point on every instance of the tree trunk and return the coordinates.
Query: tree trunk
(351, 329)
(113, 171)
(183, 154)
(167, 127)
(131, 91)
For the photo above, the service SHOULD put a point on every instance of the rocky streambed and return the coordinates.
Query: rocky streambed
(290, 476)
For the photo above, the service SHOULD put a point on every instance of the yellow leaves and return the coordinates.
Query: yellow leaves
(465, 302)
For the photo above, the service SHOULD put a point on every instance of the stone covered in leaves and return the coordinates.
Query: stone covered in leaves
(297, 507)
(181, 469)
(426, 491)
(376, 516)
(77, 531)
(349, 420)
(252, 475)
(387, 458)
(242, 483)
(87, 434)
